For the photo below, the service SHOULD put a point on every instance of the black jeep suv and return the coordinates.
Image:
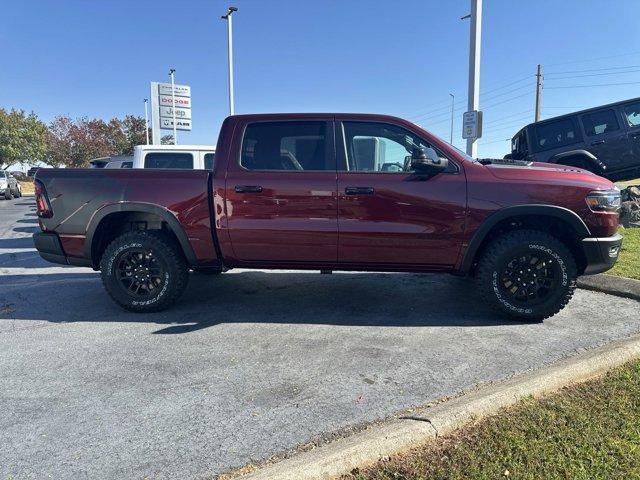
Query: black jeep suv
(604, 140)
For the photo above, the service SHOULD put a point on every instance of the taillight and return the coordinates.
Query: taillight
(42, 201)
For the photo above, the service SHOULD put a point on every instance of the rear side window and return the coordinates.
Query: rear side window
(2, 174)
(168, 160)
(597, 123)
(555, 134)
(208, 161)
(286, 146)
(632, 113)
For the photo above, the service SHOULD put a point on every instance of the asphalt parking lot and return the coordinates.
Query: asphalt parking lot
(246, 366)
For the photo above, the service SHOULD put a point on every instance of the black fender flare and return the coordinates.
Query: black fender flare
(161, 212)
(564, 214)
(588, 156)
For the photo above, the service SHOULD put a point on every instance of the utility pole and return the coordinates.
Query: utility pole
(538, 93)
(452, 102)
(227, 17)
(173, 105)
(474, 67)
(146, 119)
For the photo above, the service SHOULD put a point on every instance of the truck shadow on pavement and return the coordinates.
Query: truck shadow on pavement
(296, 298)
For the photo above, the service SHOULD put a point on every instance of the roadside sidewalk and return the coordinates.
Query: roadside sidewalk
(401, 434)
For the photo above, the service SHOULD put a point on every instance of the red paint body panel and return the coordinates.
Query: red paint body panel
(304, 219)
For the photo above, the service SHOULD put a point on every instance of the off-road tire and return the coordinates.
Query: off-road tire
(167, 253)
(521, 242)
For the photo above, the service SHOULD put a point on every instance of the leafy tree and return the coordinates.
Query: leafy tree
(22, 137)
(167, 140)
(75, 143)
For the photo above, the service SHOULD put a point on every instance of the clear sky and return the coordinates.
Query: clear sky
(96, 58)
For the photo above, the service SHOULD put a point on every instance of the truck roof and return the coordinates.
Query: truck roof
(176, 147)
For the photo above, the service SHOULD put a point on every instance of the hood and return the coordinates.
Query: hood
(546, 173)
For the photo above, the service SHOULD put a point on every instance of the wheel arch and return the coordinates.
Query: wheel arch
(568, 225)
(584, 155)
(132, 212)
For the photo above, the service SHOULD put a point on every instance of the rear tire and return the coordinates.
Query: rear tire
(144, 271)
(526, 274)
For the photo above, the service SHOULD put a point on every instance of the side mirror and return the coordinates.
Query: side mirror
(426, 160)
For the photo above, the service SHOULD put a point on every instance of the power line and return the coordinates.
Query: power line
(592, 75)
(595, 85)
(427, 118)
(628, 54)
(486, 107)
(464, 101)
(495, 141)
(508, 116)
(593, 70)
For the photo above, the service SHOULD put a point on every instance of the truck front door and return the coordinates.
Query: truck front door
(281, 199)
(388, 215)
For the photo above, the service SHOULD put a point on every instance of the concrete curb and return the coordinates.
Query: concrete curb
(398, 435)
(618, 286)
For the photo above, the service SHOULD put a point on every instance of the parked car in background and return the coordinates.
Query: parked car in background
(604, 140)
(120, 164)
(334, 192)
(9, 186)
(198, 157)
(117, 160)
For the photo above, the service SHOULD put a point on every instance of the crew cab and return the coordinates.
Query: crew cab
(334, 192)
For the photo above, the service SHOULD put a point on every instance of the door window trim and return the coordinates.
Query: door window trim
(342, 163)
(330, 147)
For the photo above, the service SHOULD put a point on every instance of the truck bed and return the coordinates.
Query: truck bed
(81, 199)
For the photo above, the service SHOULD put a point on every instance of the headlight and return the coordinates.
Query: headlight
(604, 200)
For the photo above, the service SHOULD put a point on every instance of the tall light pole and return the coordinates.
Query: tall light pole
(474, 67)
(173, 105)
(452, 102)
(227, 17)
(146, 119)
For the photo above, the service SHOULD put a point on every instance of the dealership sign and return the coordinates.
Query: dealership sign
(168, 104)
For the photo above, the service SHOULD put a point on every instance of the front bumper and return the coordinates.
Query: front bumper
(49, 247)
(601, 253)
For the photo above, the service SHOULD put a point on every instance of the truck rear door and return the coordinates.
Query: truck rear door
(388, 215)
(281, 198)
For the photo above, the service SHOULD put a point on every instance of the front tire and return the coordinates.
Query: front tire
(527, 274)
(7, 194)
(144, 271)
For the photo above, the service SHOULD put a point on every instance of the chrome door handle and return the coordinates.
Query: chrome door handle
(248, 189)
(359, 191)
(597, 142)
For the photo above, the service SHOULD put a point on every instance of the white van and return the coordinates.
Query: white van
(199, 157)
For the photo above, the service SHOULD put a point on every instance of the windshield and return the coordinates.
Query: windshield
(464, 155)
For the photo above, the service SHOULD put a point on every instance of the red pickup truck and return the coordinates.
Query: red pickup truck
(334, 192)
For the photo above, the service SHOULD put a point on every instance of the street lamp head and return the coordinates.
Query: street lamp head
(230, 10)
(172, 70)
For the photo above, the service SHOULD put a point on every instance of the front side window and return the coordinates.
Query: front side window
(597, 123)
(208, 161)
(555, 134)
(381, 147)
(286, 146)
(632, 113)
(179, 160)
